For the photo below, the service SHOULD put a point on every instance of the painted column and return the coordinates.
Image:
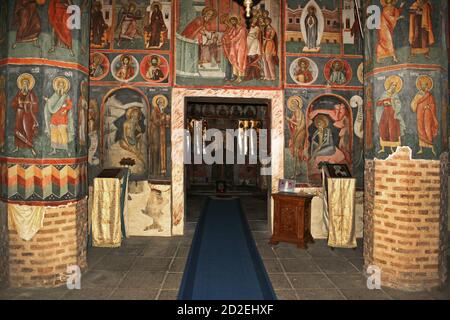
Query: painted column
(43, 155)
(406, 146)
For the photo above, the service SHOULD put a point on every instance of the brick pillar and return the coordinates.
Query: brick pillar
(43, 143)
(406, 148)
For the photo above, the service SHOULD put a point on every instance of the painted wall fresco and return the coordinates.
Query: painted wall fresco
(408, 75)
(149, 210)
(43, 101)
(214, 47)
(130, 73)
(324, 111)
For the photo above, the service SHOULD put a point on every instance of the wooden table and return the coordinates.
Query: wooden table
(292, 219)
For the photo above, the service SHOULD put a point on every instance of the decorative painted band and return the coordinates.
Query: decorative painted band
(43, 182)
(44, 62)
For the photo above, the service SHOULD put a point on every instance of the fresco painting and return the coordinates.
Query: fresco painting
(407, 105)
(215, 48)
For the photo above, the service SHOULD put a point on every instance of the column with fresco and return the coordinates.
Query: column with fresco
(406, 141)
(43, 138)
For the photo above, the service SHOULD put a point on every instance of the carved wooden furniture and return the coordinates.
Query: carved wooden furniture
(292, 219)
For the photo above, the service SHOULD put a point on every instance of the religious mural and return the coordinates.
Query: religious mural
(142, 24)
(43, 100)
(124, 129)
(215, 48)
(324, 112)
(149, 211)
(407, 105)
(131, 49)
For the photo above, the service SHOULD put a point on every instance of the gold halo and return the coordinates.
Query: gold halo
(393, 79)
(424, 78)
(304, 60)
(160, 96)
(26, 76)
(154, 56)
(130, 57)
(66, 83)
(294, 98)
(235, 16)
(154, 4)
(383, 2)
(322, 117)
(209, 9)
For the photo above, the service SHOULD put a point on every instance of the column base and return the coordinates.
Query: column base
(405, 220)
(61, 242)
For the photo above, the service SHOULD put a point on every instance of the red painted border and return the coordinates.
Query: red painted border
(46, 62)
(30, 161)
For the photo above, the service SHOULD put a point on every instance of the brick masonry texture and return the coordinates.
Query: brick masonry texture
(443, 267)
(61, 242)
(406, 225)
(368, 212)
(4, 248)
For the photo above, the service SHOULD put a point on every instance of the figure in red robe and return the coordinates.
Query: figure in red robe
(235, 48)
(58, 17)
(389, 17)
(25, 104)
(424, 106)
(270, 51)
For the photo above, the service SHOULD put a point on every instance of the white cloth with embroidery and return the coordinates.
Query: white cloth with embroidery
(26, 220)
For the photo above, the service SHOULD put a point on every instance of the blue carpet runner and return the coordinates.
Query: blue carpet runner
(224, 263)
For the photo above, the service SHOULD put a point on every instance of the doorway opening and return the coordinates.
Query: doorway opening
(241, 125)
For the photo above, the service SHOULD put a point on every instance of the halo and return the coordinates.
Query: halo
(235, 16)
(160, 96)
(154, 56)
(294, 98)
(131, 110)
(66, 83)
(154, 4)
(427, 79)
(383, 2)
(126, 56)
(322, 117)
(393, 79)
(305, 60)
(206, 9)
(26, 76)
(341, 63)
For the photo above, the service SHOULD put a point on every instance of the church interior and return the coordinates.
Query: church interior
(224, 150)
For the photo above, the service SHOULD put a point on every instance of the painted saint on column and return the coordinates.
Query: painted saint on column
(58, 17)
(27, 22)
(421, 35)
(58, 116)
(390, 122)
(2, 111)
(424, 106)
(26, 106)
(82, 113)
(389, 18)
